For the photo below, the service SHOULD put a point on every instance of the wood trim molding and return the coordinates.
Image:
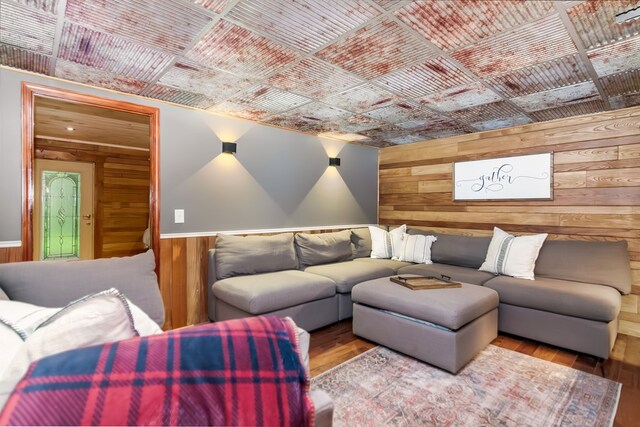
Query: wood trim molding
(29, 92)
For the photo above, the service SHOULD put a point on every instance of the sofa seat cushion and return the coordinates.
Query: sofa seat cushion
(456, 273)
(389, 263)
(348, 274)
(262, 293)
(576, 299)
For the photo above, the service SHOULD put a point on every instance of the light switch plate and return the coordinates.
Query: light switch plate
(179, 216)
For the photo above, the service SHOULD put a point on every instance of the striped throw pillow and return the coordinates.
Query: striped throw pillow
(513, 256)
(417, 248)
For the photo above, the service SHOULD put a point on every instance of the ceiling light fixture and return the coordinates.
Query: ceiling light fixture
(334, 161)
(70, 128)
(628, 15)
(229, 147)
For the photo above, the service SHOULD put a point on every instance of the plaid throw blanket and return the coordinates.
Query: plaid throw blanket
(239, 372)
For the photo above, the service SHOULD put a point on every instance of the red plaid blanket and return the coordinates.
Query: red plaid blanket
(240, 372)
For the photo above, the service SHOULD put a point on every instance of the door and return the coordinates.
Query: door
(63, 210)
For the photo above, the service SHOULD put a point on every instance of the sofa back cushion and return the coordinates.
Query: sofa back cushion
(361, 242)
(603, 263)
(323, 248)
(239, 255)
(456, 249)
(56, 283)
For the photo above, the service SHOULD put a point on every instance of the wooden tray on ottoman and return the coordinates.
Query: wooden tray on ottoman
(420, 283)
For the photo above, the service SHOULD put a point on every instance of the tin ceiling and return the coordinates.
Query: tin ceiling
(375, 72)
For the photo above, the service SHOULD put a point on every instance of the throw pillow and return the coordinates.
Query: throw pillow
(11, 343)
(3, 296)
(417, 248)
(361, 242)
(387, 244)
(513, 256)
(323, 248)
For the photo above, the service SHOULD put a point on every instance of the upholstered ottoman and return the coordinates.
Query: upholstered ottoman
(443, 327)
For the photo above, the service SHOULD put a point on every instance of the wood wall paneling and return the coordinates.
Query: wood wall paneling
(596, 185)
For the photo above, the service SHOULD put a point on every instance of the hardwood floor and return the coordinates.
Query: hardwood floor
(336, 343)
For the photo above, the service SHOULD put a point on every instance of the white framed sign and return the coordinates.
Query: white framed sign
(518, 177)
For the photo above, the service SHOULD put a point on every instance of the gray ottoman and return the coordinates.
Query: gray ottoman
(443, 327)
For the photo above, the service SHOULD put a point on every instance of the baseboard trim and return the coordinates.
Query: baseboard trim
(259, 231)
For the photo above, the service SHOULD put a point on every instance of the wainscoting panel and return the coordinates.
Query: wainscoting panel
(596, 178)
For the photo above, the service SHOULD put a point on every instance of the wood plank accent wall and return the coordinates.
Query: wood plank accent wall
(121, 192)
(596, 185)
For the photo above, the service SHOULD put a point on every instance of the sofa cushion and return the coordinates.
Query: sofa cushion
(576, 299)
(456, 273)
(464, 251)
(349, 273)
(605, 263)
(66, 281)
(393, 264)
(237, 255)
(323, 248)
(361, 241)
(262, 293)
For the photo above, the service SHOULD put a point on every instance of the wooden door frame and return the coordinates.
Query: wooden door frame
(29, 92)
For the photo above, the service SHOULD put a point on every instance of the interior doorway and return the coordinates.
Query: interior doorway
(63, 210)
(119, 143)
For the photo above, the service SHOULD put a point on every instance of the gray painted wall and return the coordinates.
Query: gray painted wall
(277, 179)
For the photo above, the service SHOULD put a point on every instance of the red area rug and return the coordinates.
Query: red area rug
(498, 388)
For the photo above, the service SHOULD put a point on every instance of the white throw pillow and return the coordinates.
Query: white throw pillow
(513, 256)
(387, 244)
(11, 343)
(417, 248)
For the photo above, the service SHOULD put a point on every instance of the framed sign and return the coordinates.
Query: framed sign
(518, 177)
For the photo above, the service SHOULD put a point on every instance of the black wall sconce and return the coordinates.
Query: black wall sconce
(229, 147)
(334, 161)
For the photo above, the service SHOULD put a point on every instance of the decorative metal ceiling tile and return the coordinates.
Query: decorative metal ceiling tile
(297, 123)
(390, 4)
(27, 28)
(344, 136)
(500, 123)
(558, 97)
(595, 21)
(422, 79)
(406, 139)
(267, 98)
(164, 24)
(536, 42)
(622, 83)
(362, 98)
(624, 101)
(240, 51)
(178, 96)
(494, 110)
(460, 97)
(453, 24)
(578, 109)
(111, 54)
(616, 58)
(357, 123)
(442, 134)
(399, 112)
(50, 6)
(317, 112)
(198, 79)
(244, 111)
(383, 133)
(558, 72)
(304, 24)
(92, 76)
(313, 78)
(24, 59)
(216, 6)
(378, 48)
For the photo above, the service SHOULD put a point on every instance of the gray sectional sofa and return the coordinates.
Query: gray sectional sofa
(574, 302)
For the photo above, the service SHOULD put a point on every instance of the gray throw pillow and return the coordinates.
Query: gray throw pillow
(323, 248)
(238, 255)
(361, 241)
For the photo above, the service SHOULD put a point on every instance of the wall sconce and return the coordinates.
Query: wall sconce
(229, 147)
(334, 161)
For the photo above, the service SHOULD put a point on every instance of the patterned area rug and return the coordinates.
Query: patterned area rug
(498, 388)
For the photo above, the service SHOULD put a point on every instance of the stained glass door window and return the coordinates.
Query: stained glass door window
(60, 215)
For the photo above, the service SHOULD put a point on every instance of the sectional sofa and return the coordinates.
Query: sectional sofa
(574, 301)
